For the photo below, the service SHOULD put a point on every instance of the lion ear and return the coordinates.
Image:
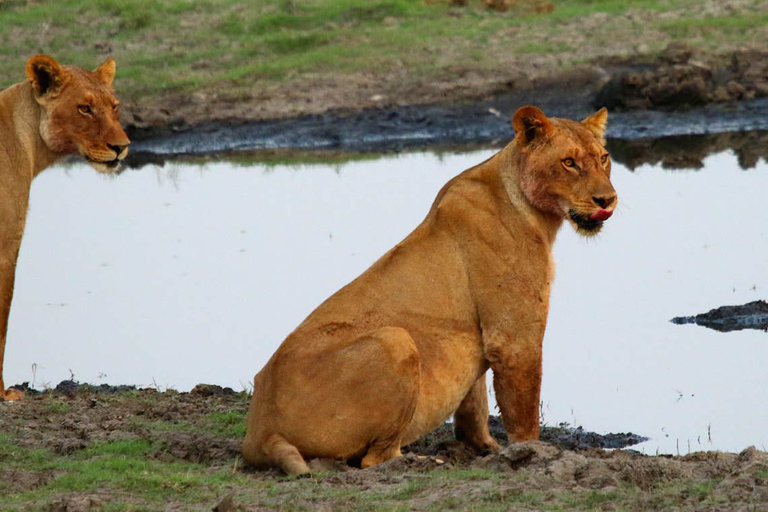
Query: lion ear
(106, 72)
(46, 76)
(596, 122)
(530, 124)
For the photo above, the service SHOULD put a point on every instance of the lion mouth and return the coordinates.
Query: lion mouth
(108, 166)
(113, 164)
(587, 224)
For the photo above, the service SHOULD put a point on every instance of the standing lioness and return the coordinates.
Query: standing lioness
(58, 110)
(393, 354)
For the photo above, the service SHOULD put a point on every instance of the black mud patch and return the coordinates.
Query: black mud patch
(421, 127)
(753, 315)
(442, 443)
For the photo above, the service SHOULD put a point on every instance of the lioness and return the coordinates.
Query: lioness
(58, 110)
(393, 354)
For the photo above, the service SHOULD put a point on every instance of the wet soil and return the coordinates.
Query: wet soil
(680, 93)
(103, 413)
(753, 315)
(568, 464)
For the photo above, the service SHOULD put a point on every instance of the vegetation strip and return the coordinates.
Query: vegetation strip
(192, 61)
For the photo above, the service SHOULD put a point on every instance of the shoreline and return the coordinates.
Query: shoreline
(675, 95)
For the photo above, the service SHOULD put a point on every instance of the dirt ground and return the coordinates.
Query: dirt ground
(436, 473)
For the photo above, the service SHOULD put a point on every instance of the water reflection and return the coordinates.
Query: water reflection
(190, 274)
(676, 152)
(690, 151)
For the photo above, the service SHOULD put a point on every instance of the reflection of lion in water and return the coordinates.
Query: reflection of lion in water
(57, 111)
(393, 354)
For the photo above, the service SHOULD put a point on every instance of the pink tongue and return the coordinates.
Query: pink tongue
(601, 215)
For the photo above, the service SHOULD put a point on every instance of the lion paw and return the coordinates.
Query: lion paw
(12, 395)
(485, 447)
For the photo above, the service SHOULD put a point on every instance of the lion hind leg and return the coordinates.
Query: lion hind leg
(281, 453)
(351, 402)
(381, 452)
(401, 390)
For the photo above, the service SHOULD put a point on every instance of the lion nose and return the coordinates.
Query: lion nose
(604, 201)
(118, 149)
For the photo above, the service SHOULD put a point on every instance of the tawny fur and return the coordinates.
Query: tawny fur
(58, 110)
(393, 354)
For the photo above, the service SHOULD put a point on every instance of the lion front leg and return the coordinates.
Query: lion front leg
(471, 419)
(518, 391)
(7, 276)
(516, 367)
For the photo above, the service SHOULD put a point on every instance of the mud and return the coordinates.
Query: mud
(103, 412)
(680, 94)
(566, 465)
(485, 124)
(681, 78)
(753, 315)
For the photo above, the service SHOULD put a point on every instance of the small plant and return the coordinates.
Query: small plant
(59, 407)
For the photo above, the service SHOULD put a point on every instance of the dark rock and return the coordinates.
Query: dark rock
(753, 315)
(570, 438)
(67, 388)
(211, 390)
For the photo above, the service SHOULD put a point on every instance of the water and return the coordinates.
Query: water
(173, 276)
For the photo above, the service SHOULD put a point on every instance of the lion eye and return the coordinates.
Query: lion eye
(569, 162)
(85, 109)
(604, 159)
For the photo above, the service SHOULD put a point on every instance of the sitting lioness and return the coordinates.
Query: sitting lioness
(393, 354)
(58, 110)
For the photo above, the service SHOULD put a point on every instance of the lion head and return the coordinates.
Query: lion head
(564, 167)
(79, 111)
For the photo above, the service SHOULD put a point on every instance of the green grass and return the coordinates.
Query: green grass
(732, 27)
(122, 466)
(127, 475)
(234, 46)
(231, 423)
(58, 407)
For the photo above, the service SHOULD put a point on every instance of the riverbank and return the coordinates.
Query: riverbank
(674, 96)
(79, 448)
(227, 75)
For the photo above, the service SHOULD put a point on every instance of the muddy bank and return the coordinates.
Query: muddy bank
(680, 77)
(678, 94)
(439, 442)
(486, 123)
(753, 315)
(205, 426)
